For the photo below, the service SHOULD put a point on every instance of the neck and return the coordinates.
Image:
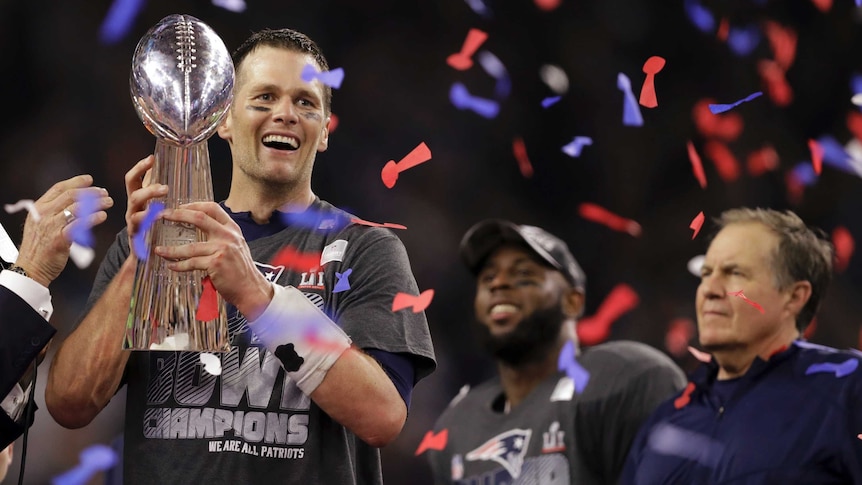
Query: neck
(519, 381)
(262, 203)
(734, 362)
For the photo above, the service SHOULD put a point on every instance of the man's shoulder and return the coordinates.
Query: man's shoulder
(813, 360)
(471, 400)
(625, 356)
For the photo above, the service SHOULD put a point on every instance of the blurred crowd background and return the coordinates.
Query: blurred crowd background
(67, 111)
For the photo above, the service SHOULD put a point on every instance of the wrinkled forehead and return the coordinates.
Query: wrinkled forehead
(745, 241)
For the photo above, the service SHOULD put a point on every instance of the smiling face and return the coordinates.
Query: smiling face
(521, 304)
(741, 258)
(277, 122)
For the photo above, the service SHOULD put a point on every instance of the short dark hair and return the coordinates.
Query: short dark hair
(291, 40)
(803, 254)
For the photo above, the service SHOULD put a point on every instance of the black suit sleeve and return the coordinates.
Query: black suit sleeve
(23, 334)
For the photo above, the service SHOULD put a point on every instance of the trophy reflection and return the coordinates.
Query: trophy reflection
(181, 85)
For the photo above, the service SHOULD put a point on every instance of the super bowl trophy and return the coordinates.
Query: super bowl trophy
(182, 86)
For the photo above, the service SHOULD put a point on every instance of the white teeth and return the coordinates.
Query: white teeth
(280, 139)
(503, 308)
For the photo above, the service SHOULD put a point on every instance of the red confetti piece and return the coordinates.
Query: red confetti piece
(696, 165)
(745, 299)
(295, 260)
(844, 247)
(390, 225)
(599, 214)
(816, 156)
(333, 123)
(795, 188)
(762, 161)
(520, 152)
(679, 333)
(651, 67)
(685, 398)
(823, 5)
(547, 5)
(596, 328)
(783, 42)
(854, 124)
(463, 60)
(723, 30)
(312, 338)
(810, 330)
(390, 172)
(723, 159)
(433, 441)
(696, 224)
(208, 304)
(775, 84)
(725, 126)
(419, 303)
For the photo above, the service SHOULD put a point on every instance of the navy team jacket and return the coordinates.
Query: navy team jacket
(794, 419)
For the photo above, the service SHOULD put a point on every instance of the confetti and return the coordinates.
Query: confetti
(419, 303)
(743, 40)
(22, 204)
(723, 30)
(343, 284)
(298, 261)
(211, 362)
(479, 7)
(816, 156)
(679, 333)
(844, 247)
(555, 77)
(547, 5)
(433, 441)
(8, 249)
(332, 78)
(843, 369)
(823, 5)
(631, 111)
(854, 124)
(313, 219)
(495, 68)
(462, 99)
(700, 355)
(803, 173)
(726, 127)
(462, 60)
(696, 224)
(833, 154)
(596, 328)
(237, 6)
(573, 149)
(696, 165)
(208, 307)
(596, 213)
(810, 330)
(745, 299)
(86, 205)
(699, 16)
(333, 123)
(673, 441)
(776, 84)
(82, 256)
(685, 398)
(312, 337)
(139, 241)
(651, 67)
(93, 459)
(762, 161)
(723, 159)
(783, 42)
(519, 149)
(721, 108)
(568, 362)
(390, 171)
(388, 225)
(119, 20)
(550, 101)
(695, 264)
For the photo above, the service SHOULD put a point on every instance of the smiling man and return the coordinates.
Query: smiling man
(534, 423)
(317, 379)
(768, 408)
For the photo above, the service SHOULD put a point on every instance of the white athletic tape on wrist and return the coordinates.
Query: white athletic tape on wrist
(301, 336)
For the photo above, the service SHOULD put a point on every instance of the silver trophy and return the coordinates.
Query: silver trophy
(182, 86)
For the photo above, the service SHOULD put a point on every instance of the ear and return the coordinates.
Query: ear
(323, 144)
(224, 129)
(573, 302)
(798, 296)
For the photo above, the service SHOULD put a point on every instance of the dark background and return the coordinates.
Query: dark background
(67, 111)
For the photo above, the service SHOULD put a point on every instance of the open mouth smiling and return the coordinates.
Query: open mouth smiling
(280, 142)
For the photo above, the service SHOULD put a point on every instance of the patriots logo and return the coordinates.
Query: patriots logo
(507, 449)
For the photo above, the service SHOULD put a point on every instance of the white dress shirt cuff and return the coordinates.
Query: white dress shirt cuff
(36, 295)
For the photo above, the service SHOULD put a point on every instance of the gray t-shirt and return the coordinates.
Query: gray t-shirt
(252, 424)
(556, 435)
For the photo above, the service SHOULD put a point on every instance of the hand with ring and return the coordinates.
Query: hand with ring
(45, 244)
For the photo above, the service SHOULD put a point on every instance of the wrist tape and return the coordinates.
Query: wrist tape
(301, 336)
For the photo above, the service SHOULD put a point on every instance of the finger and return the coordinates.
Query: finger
(183, 252)
(87, 222)
(64, 186)
(198, 218)
(139, 198)
(212, 209)
(135, 176)
(97, 198)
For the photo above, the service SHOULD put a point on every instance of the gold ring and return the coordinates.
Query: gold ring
(68, 215)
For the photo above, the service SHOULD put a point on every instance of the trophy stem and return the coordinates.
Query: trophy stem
(164, 303)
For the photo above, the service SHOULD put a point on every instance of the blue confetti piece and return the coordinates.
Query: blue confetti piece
(834, 154)
(631, 110)
(495, 68)
(119, 20)
(573, 149)
(550, 101)
(804, 173)
(140, 240)
(331, 78)
(743, 40)
(700, 16)
(313, 219)
(567, 362)
(479, 7)
(843, 369)
(721, 108)
(86, 205)
(94, 459)
(461, 99)
(342, 284)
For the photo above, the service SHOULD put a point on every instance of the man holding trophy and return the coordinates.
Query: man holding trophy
(316, 377)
